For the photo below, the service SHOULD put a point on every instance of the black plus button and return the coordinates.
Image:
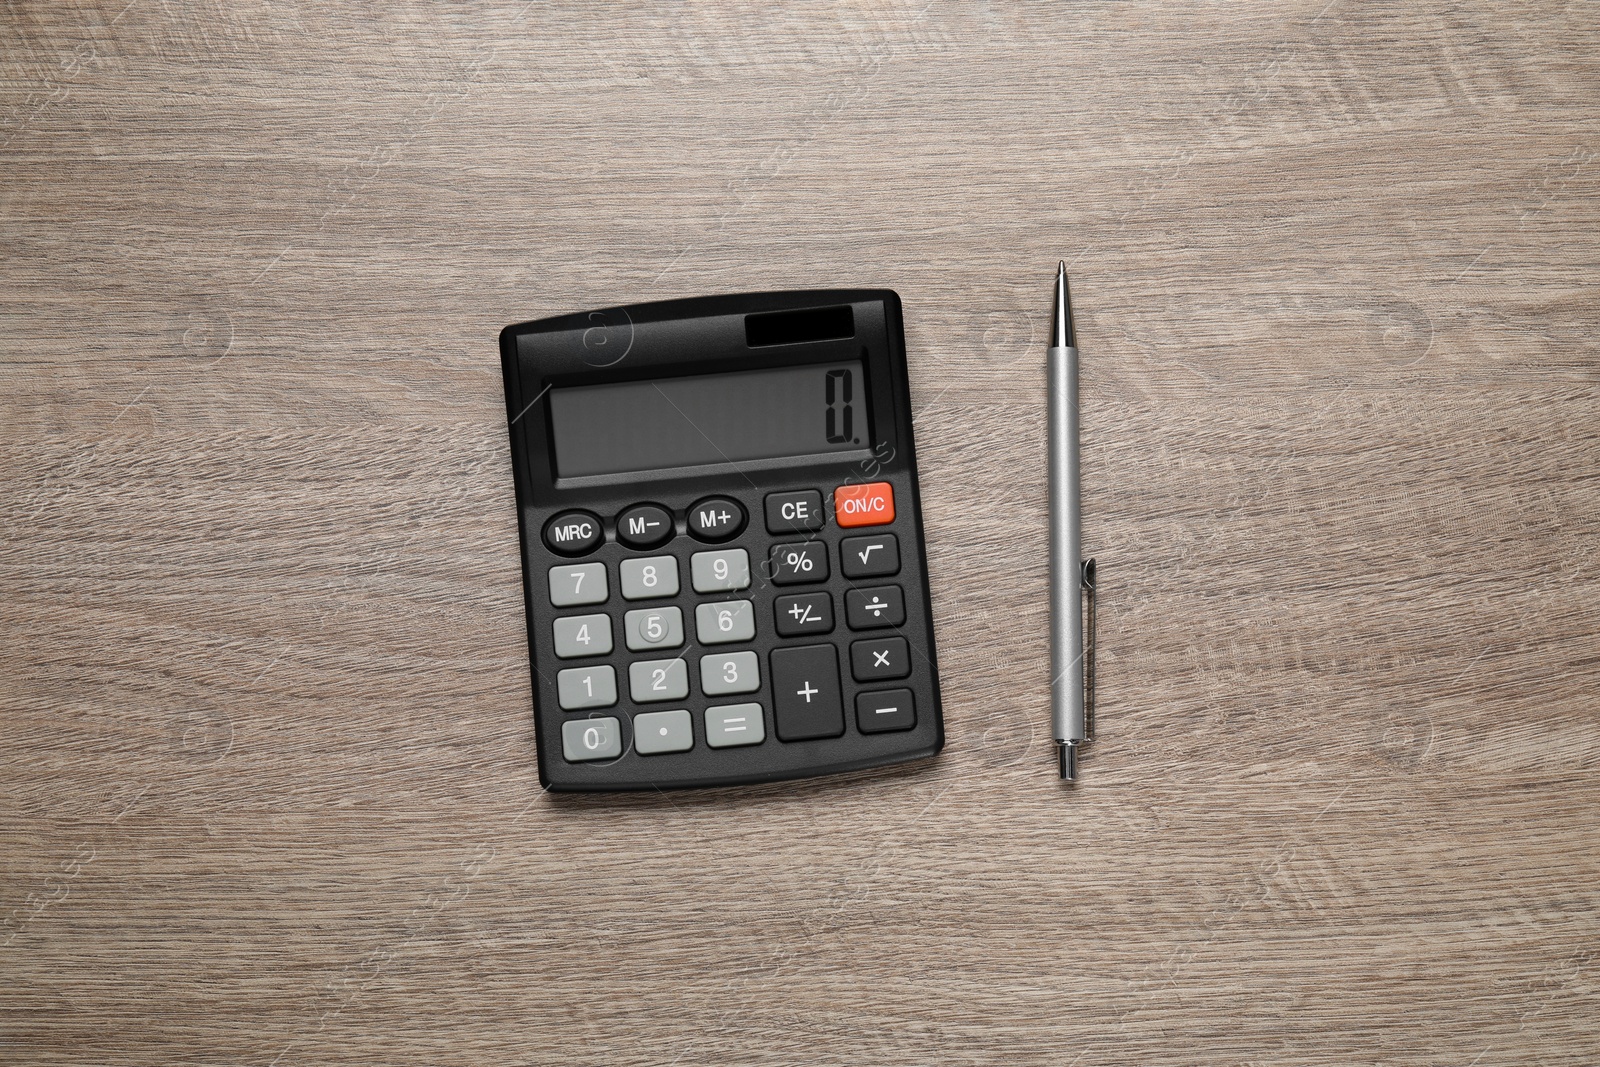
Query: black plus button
(875, 606)
(805, 692)
(716, 518)
(644, 526)
(882, 657)
(808, 613)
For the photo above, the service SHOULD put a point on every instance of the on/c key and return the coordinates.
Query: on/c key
(864, 505)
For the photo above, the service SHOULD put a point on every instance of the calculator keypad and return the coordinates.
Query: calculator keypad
(794, 691)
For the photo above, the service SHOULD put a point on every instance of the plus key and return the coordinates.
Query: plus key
(806, 699)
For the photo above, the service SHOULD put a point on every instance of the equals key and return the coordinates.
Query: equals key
(876, 556)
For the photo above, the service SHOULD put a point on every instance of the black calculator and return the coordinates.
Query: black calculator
(721, 540)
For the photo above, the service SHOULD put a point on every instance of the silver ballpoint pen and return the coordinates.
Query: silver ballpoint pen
(1071, 576)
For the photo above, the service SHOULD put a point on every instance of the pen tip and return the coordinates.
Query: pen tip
(1067, 754)
(1061, 335)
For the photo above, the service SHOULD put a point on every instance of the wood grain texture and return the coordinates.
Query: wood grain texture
(269, 793)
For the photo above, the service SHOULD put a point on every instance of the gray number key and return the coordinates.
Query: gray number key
(715, 572)
(729, 620)
(586, 687)
(587, 739)
(649, 628)
(651, 576)
(658, 679)
(578, 583)
(582, 635)
(729, 672)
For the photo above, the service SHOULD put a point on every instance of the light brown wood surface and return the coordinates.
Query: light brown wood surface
(269, 792)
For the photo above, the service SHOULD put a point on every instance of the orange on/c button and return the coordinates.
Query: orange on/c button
(864, 505)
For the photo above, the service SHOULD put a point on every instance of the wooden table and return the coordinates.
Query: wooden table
(269, 791)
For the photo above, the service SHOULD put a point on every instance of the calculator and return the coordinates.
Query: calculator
(721, 537)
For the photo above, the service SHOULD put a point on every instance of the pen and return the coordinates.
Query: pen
(1071, 576)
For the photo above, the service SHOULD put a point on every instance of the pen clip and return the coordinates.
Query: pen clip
(1087, 581)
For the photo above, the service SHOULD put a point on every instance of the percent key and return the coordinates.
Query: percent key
(795, 563)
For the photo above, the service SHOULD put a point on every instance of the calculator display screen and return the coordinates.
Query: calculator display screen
(628, 427)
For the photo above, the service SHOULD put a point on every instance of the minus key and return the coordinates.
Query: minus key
(880, 713)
